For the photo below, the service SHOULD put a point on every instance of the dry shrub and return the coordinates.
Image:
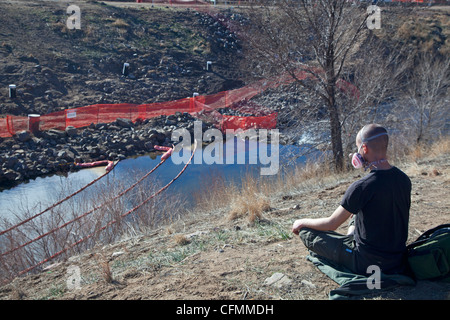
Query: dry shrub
(61, 27)
(439, 147)
(314, 169)
(52, 232)
(105, 269)
(215, 193)
(435, 149)
(251, 201)
(250, 205)
(120, 23)
(181, 240)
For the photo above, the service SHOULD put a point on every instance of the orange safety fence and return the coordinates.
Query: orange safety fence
(106, 113)
(247, 122)
(200, 106)
(260, 118)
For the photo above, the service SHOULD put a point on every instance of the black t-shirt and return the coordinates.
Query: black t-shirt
(381, 202)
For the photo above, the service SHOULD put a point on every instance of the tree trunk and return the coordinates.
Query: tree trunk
(335, 124)
(333, 111)
(336, 138)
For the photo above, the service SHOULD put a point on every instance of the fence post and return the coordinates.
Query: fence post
(34, 121)
(192, 103)
(12, 91)
(125, 70)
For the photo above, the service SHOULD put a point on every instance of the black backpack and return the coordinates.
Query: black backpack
(429, 255)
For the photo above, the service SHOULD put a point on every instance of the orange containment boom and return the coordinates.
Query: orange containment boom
(166, 154)
(109, 164)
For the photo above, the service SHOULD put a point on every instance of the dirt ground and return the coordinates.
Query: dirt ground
(205, 256)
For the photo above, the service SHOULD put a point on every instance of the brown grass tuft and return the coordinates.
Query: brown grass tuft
(105, 268)
(120, 23)
(251, 201)
(181, 239)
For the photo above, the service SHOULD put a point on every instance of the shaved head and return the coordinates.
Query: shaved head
(375, 137)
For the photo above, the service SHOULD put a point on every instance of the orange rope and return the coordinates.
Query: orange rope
(113, 221)
(83, 215)
(57, 203)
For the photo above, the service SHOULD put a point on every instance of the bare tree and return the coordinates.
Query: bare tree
(311, 42)
(427, 97)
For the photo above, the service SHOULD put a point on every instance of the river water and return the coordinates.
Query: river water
(36, 195)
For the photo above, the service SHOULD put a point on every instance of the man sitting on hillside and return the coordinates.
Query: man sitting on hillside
(379, 204)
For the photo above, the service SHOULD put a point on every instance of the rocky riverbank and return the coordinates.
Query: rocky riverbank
(27, 156)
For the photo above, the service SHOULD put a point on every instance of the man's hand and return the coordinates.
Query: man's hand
(323, 224)
(298, 224)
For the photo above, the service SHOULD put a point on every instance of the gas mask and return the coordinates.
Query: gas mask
(358, 160)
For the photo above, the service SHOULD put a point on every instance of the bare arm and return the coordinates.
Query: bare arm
(330, 223)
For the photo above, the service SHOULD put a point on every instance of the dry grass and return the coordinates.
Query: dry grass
(181, 240)
(249, 204)
(253, 198)
(61, 27)
(105, 269)
(49, 238)
(421, 151)
(106, 272)
(120, 23)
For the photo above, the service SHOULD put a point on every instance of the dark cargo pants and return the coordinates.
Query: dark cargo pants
(332, 246)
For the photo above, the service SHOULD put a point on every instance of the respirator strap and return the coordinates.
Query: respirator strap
(373, 137)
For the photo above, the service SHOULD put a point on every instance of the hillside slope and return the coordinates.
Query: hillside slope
(207, 256)
(55, 68)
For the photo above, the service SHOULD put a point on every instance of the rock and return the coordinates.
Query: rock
(308, 284)
(20, 166)
(113, 127)
(117, 253)
(38, 141)
(71, 131)
(23, 136)
(11, 162)
(149, 146)
(161, 135)
(93, 151)
(170, 122)
(278, 280)
(11, 175)
(112, 155)
(124, 123)
(66, 155)
(55, 134)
